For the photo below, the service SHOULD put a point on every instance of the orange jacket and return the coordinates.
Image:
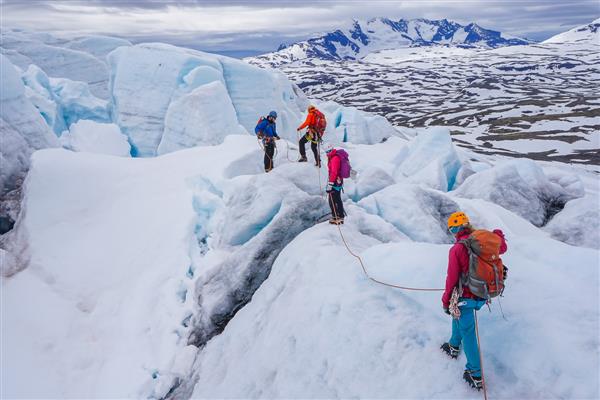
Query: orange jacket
(310, 120)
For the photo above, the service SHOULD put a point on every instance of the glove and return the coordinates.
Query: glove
(298, 130)
(277, 138)
(447, 310)
(260, 135)
(329, 187)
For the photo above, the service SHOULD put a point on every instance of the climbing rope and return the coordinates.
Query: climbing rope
(364, 269)
(319, 168)
(480, 356)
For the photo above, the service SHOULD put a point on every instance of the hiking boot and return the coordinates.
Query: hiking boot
(318, 163)
(474, 381)
(336, 221)
(452, 351)
(268, 169)
(303, 159)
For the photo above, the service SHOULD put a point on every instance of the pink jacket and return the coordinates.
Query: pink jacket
(458, 264)
(333, 165)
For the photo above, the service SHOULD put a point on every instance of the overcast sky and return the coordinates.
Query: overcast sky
(260, 26)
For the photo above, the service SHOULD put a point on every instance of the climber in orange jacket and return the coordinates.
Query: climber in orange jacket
(316, 124)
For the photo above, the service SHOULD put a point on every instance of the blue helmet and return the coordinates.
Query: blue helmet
(273, 114)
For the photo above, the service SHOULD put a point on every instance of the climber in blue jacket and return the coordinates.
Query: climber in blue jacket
(266, 130)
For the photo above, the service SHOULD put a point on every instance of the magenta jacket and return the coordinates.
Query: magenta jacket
(458, 264)
(333, 165)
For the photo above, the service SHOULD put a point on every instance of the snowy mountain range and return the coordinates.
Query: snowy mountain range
(364, 37)
(589, 33)
(151, 256)
(537, 100)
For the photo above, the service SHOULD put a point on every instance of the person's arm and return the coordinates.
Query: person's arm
(334, 168)
(503, 246)
(275, 131)
(307, 122)
(452, 276)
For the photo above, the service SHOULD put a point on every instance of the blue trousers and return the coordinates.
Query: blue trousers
(463, 330)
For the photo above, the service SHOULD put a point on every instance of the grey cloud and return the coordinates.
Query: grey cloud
(534, 19)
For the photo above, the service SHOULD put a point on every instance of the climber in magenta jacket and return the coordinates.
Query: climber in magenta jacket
(334, 186)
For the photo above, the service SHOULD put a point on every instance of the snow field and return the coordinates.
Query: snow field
(112, 239)
(135, 262)
(196, 274)
(352, 338)
(95, 137)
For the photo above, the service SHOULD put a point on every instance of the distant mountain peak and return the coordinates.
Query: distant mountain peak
(359, 38)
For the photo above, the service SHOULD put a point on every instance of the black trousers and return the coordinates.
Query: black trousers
(313, 146)
(335, 203)
(269, 154)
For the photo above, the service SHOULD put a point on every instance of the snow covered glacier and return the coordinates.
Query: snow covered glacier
(193, 274)
(191, 99)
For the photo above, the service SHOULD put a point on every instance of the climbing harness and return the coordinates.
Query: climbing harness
(480, 356)
(454, 304)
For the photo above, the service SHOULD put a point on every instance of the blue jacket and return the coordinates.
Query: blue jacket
(267, 128)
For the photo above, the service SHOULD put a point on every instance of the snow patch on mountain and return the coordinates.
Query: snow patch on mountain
(589, 33)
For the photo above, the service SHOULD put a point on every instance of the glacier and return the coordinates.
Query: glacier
(186, 272)
(48, 53)
(520, 186)
(95, 137)
(23, 131)
(252, 92)
(205, 268)
(192, 99)
(205, 116)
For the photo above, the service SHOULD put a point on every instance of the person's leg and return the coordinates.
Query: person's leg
(332, 204)
(269, 153)
(339, 204)
(469, 338)
(456, 337)
(301, 146)
(266, 159)
(315, 150)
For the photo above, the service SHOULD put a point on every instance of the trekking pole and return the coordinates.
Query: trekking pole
(480, 356)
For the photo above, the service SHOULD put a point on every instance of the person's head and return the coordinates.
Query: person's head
(311, 108)
(328, 148)
(458, 222)
(272, 116)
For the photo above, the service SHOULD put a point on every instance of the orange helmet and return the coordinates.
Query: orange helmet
(457, 219)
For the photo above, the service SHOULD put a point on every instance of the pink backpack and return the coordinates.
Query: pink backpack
(345, 167)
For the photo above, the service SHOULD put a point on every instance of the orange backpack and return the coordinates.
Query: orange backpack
(485, 278)
(320, 122)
